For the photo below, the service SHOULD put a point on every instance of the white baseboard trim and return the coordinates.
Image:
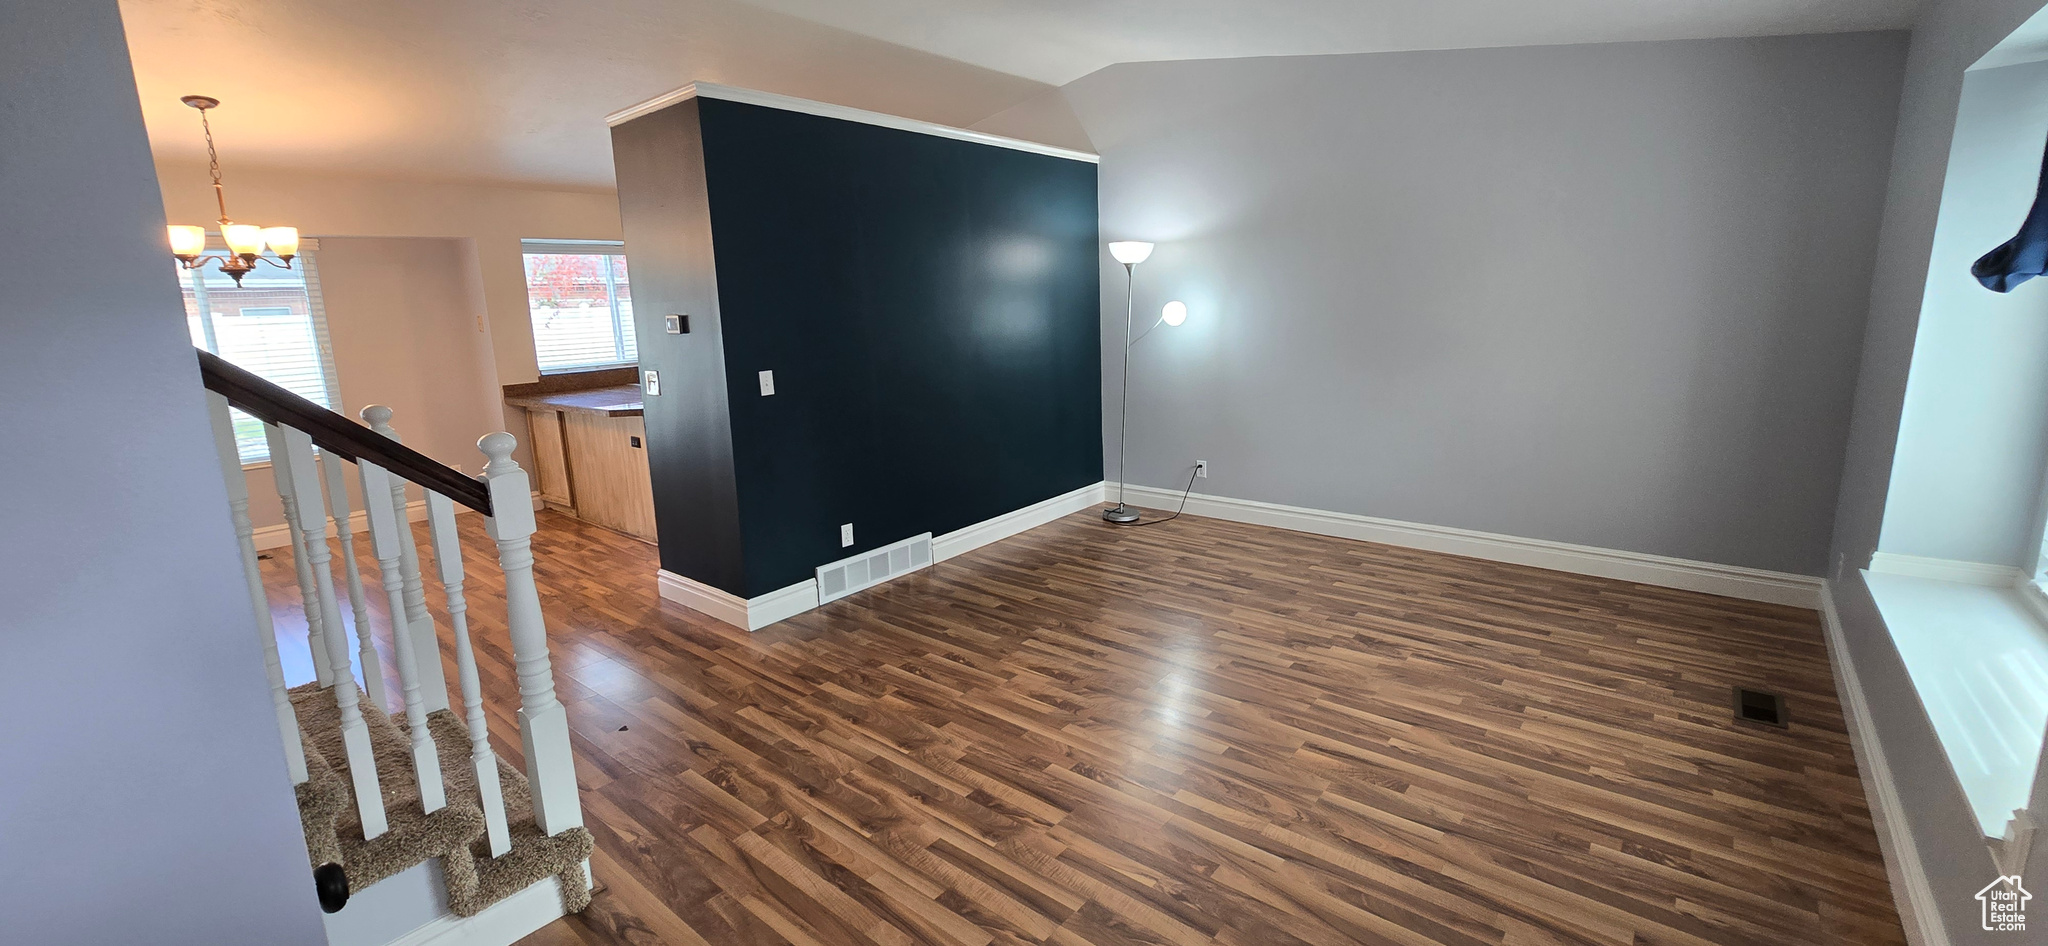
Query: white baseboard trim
(500, 924)
(756, 613)
(1008, 524)
(1943, 569)
(275, 537)
(782, 603)
(1733, 581)
(752, 614)
(1911, 891)
(2035, 598)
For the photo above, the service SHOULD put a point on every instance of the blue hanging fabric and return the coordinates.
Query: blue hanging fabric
(2024, 256)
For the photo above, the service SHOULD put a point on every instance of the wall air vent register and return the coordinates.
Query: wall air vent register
(868, 569)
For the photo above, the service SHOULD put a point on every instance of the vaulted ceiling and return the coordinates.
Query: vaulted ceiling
(517, 90)
(1058, 41)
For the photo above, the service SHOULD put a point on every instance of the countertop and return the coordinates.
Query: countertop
(617, 401)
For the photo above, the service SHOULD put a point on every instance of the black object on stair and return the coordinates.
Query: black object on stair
(2025, 255)
(332, 884)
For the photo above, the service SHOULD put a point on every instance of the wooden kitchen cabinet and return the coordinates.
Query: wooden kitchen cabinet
(608, 463)
(550, 459)
(590, 454)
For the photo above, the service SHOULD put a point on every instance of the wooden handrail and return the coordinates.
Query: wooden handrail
(333, 432)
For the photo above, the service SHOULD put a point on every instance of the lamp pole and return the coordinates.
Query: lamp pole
(1122, 513)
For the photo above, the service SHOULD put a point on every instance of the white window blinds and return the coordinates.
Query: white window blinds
(272, 324)
(581, 302)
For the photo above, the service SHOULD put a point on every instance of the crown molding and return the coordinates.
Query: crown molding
(844, 113)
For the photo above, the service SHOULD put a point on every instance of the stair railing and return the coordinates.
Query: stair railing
(312, 488)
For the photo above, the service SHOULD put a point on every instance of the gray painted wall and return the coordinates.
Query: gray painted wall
(1609, 295)
(1973, 436)
(1951, 35)
(144, 797)
(405, 320)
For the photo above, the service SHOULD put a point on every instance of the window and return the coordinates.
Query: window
(273, 325)
(581, 303)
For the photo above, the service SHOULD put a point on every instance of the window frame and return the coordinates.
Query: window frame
(316, 313)
(621, 323)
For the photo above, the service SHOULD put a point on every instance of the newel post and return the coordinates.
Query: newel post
(543, 723)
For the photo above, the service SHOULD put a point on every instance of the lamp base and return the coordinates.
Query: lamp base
(1120, 513)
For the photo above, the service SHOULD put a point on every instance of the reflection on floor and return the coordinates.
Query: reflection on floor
(1202, 732)
(1979, 659)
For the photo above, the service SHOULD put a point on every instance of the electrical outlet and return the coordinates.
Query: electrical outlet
(767, 383)
(653, 384)
(846, 535)
(1202, 469)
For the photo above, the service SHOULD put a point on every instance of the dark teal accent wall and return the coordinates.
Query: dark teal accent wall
(659, 160)
(929, 307)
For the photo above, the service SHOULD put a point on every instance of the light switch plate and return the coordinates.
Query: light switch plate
(767, 383)
(846, 535)
(653, 385)
(677, 324)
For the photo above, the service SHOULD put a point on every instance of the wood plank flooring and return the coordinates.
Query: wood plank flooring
(1199, 732)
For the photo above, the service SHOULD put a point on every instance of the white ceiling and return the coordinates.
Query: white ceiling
(1058, 41)
(505, 90)
(517, 90)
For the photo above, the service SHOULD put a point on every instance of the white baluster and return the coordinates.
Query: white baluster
(384, 530)
(280, 473)
(266, 633)
(362, 761)
(366, 646)
(543, 724)
(425, 642)
(448, 559)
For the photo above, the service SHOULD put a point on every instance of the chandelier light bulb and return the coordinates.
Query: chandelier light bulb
(243, 239)
(187, 242)
(284, 241)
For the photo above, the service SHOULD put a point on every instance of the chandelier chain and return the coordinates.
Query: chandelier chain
(213, 167)
(212, 156)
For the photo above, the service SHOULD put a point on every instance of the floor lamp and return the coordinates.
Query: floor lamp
(1131, 253)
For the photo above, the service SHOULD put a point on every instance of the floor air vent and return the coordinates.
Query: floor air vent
(868, 569)
(1756, 706)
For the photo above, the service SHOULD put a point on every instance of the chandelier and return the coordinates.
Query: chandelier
(245, 241)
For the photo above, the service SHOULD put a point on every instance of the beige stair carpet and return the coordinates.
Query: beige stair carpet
(454, 833)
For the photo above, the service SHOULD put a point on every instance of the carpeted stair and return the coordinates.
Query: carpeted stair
(455, 833)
